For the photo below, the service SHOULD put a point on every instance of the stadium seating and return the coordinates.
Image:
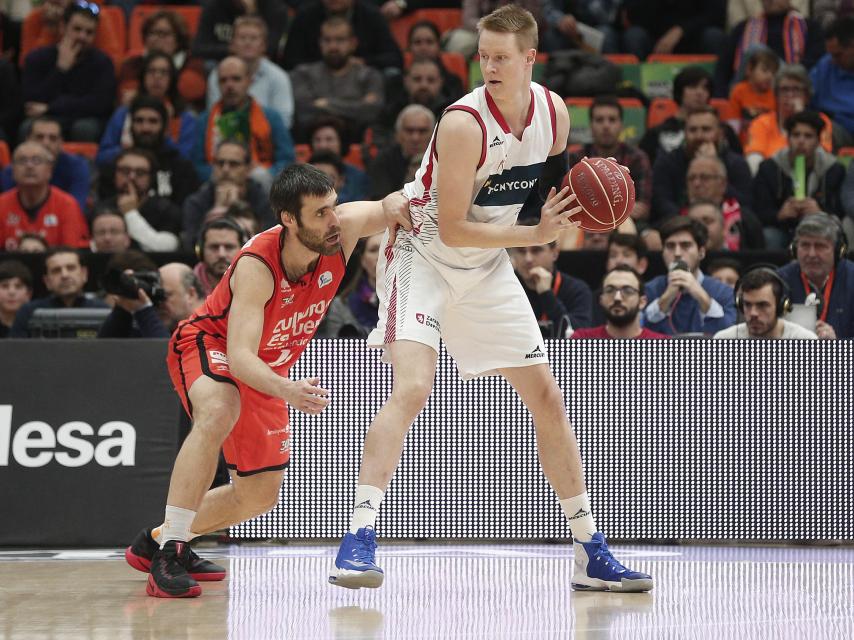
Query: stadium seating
(85, 149)
(444, 19)
(454, 62)
(191, 14)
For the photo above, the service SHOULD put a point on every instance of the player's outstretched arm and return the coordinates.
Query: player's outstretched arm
(362, 219)
(252, 287)
(459, 145)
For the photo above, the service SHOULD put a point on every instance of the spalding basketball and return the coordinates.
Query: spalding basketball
(605, 192)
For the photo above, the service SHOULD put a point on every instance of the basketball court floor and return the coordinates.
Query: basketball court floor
(438, 591)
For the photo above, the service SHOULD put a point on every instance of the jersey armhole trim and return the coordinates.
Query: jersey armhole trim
(266, 264)
(552, 114)
(477, 117)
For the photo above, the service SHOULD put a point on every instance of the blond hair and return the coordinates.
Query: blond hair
(513, 19)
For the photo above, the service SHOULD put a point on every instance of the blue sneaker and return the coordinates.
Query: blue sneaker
(595, 569)
(354, 565)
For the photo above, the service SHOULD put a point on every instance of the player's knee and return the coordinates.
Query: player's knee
(412, 394)
(216, 419)
(549, 402)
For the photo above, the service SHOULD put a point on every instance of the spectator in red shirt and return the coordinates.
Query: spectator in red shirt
(623, 299)
(34, 206)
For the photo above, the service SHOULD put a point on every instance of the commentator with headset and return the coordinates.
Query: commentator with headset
(763, 298)
(821, 276)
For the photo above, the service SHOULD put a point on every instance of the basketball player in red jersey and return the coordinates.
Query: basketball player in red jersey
(229, 363)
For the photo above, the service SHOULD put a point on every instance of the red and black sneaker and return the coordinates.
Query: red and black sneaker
(169, 577)
(143, 548)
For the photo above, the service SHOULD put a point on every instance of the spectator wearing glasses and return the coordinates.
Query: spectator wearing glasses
(623, 299)
(34, 206)
(70, 172)
(72, 80)
(167, 32)
(229, 183)
(153, 221)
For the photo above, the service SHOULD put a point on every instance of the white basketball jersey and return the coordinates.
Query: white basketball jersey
(509, 169)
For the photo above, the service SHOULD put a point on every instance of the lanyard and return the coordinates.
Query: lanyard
(555, 288)
(825, 296)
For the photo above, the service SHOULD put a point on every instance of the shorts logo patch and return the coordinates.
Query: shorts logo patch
(275, 432)
(218, 357)
(427, 321)
(285, 446)
(536, 353)
(324, 279)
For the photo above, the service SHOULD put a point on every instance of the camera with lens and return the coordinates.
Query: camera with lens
(127, 285)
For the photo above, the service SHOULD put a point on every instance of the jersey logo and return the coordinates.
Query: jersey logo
(324, 279)
(496, 141)
(510, 186)
(284, 356)
(285, 285)
(50, 220)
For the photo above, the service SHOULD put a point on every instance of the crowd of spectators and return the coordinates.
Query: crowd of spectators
(189, 130)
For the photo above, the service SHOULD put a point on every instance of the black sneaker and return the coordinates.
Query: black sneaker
(143, 548)
(169, 577)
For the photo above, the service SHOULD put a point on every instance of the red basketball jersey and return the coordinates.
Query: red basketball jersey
(291, 315)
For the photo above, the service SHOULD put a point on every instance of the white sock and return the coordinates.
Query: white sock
(580, 517)
(366, 506)
(176, 525)
(157, 534)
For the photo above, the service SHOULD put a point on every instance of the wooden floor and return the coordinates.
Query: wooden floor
(438, 591)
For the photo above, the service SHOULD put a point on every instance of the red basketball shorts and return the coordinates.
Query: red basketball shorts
(261, 439)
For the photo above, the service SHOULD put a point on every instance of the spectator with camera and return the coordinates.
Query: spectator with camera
(65, 278)
(109, 232)
(762, 297)
(149, 302)
(622, 297)
(153, 221)
(560, 302)
(219, 241)
(34, 206)
(16, 289)
(230, 182)
(821, 276)
(686, 300)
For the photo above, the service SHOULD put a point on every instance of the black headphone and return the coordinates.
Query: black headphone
(840, 249)
(219, 223)
(784, 300)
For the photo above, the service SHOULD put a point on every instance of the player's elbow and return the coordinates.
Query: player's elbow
(450, 233)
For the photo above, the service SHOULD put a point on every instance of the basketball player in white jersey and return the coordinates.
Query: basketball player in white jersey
(451, 277)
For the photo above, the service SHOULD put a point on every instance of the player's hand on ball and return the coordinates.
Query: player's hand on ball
(306, 395)
(555, 215)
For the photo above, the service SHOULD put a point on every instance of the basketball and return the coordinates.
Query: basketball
(605, 192)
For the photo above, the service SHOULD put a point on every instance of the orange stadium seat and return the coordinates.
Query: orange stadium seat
(113, 19)
(659, 110)
(86, 149)
(444, 19)
(622, 58)
(191, 14)
(5, 156)
(723, 108)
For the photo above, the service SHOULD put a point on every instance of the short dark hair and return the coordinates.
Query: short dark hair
(292, 184)
(55, 251)
(176, 21)
(336, 20)
(327, 157)
(629, 241)
(88, 10)
(423, 24)
(677, 224)
(628, 269)
(424, 60)
(104, 210)
(132, 259)
(247, 153)
(724, 263)
(43, 118)
(143, 101)
(172, 92)
(706, 109)
(757, 278)
(334, 123)
(221, 223)
(690, 77)
(11, 269)
(241, 209)
(136, 151)
(842, 29)
(605, 101)
(807, 117)
(763, 56)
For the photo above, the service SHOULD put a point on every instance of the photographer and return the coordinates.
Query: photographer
(162, 297)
